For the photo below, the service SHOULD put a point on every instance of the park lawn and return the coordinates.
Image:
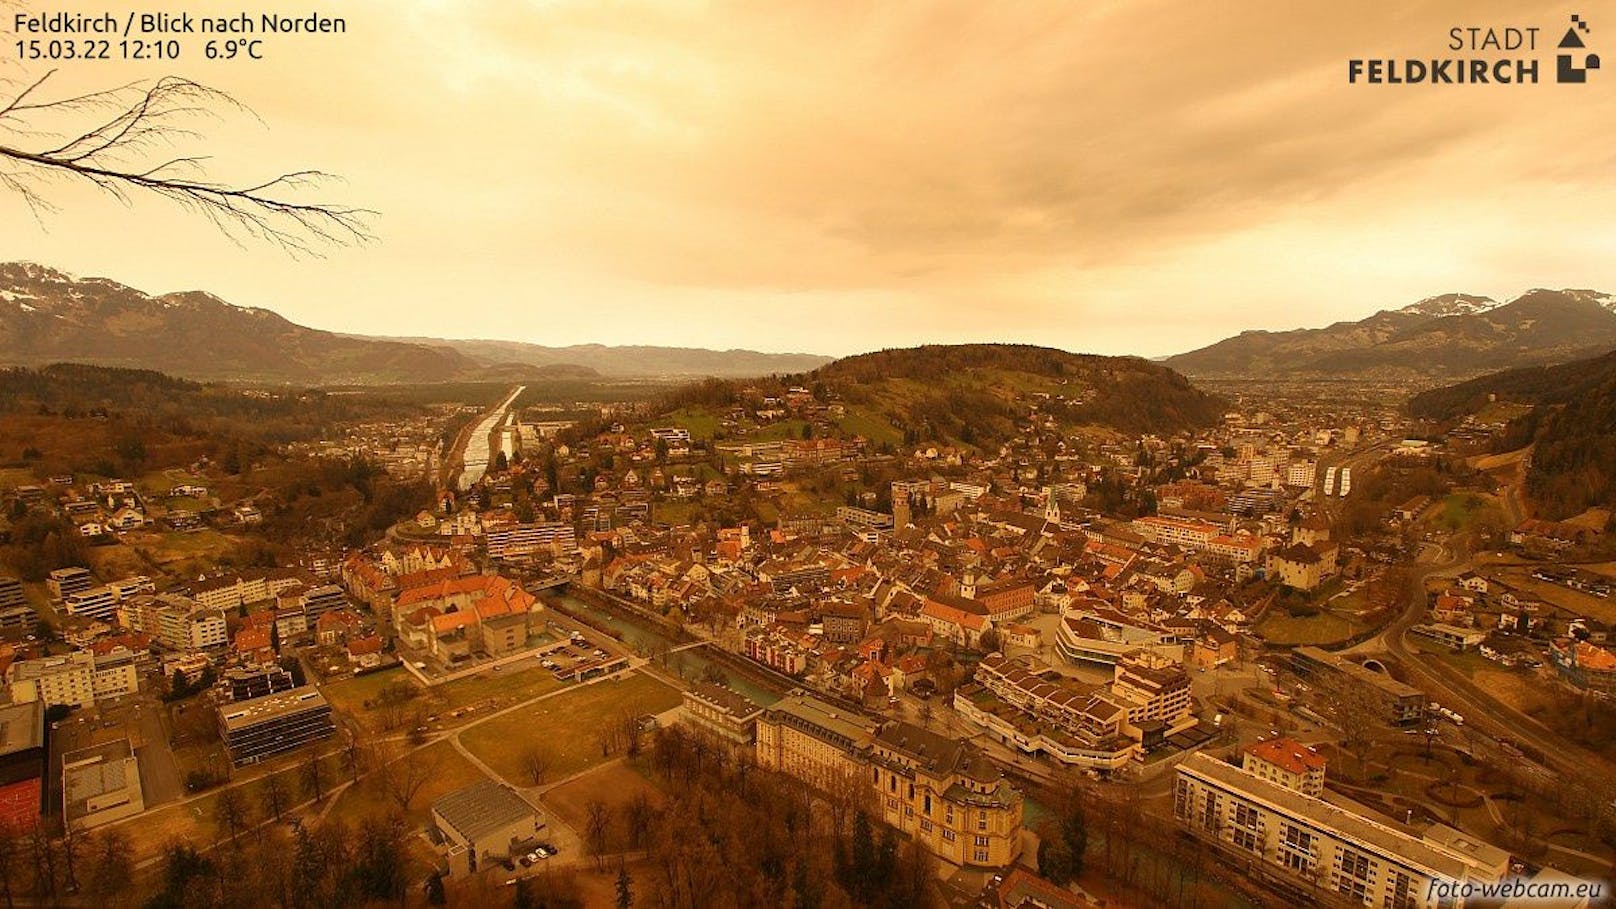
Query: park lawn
(502, 689)
(349, 695)
(565, 725)
(1279, 627)
(450, 771)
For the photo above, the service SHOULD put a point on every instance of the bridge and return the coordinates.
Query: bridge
(552, 583)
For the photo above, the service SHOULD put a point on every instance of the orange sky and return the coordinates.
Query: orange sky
(840, 176)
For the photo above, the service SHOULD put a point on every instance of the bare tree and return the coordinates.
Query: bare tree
(312, 773)
(121, 140)
(354, 755)
(1358, 712)
(230, 811)
(12, 873)
(638, 816)
(112, 868)
(403, 777)
(536, 763)
(274, 795)
(597, 826)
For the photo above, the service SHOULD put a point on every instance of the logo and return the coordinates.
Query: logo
(1567, 69)
(1500, 53)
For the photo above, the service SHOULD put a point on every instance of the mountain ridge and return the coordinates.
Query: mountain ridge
(1449, 336)
(49, 316)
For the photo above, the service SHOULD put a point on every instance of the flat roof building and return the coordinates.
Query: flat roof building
(101, 784)
(482, 822)
(276, 724)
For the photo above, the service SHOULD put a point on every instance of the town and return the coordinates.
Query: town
(1311, 651)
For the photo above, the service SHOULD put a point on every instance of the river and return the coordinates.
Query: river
(474, 463)
(687, 664)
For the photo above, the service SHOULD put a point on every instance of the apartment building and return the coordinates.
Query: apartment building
(64, 582)
(176, 622)
(67, 680)
(11, 594)
(526, 539)
(1287, 762)
(1318, 851)
(17, 618)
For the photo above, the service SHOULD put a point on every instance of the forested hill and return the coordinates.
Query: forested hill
(1572, 425)
(977, 395)
(162, 402)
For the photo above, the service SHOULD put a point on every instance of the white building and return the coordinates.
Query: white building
(1299, 844)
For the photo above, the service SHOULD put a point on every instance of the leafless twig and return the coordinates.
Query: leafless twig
(117, 139)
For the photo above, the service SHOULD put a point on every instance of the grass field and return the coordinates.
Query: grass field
(784, 429)
(450, 771)
(12, 477)
(565, 725)
(859, 421)
(1572, 601)
(673, 512)
(503, 688)
(1460, 512)
(159, 482)
(701, 424)
(193, 821)
(615, 785)
(486, 691)
(117, 561)
(349, 695)
(1279, 627)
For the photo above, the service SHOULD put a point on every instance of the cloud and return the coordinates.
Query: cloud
(766, 174)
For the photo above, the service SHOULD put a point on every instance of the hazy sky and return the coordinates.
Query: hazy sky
(1116, 177)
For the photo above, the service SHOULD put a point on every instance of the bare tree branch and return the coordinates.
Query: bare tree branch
(111, 141)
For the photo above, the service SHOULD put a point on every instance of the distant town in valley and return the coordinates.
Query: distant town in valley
(1316, 617)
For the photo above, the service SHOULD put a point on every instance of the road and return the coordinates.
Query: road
(1455, 690)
